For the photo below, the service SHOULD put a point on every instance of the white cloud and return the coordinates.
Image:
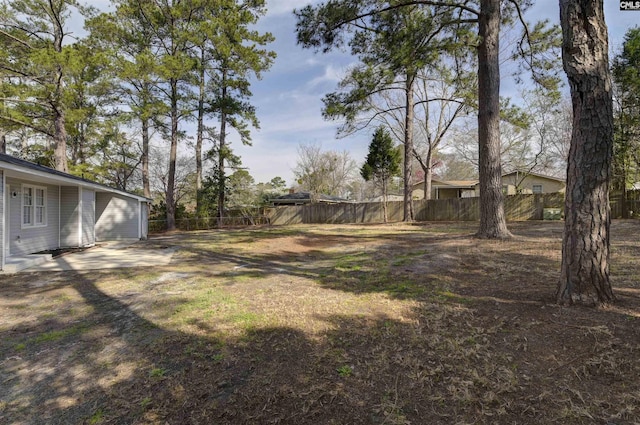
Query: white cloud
(279, 7)
(332, 74)
(289, 97)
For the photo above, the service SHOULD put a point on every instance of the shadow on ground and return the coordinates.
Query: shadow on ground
(420, 327)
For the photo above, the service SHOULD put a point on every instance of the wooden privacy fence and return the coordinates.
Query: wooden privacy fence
(517, 208)
(633, 204)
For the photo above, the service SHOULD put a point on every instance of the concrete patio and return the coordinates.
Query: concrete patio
(106, 255)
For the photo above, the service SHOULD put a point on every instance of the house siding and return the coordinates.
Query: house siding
(548, 185)
(88, 217)
(509, 181)
(446, 193)
(28, 240)
(117, 217)
(69, 214)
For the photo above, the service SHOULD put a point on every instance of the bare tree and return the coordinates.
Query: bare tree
(159, 175)
(548, 134)
(538, 144)
(440, 98)
(327, 173)
(441, 105)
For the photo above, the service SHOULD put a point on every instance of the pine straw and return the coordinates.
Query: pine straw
(325, 325)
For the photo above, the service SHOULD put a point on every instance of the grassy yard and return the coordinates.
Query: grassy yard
(398, 324)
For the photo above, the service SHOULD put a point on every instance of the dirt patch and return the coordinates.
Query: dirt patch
(325, 325)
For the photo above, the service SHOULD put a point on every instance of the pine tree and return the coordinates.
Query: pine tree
(382, 163)
(34, 69)
(585, 249)
(327, 25)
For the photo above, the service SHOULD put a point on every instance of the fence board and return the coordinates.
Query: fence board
(517, 208)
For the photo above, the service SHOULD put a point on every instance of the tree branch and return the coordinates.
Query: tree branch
(16, 39)
(26, 124)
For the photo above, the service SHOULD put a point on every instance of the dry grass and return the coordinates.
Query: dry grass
(325, 324)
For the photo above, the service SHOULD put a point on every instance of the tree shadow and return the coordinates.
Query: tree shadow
(475, 346)
(114, 366)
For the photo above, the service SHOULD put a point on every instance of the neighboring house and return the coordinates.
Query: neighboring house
(513, 183)
(44, 209)
(518, 182)
(301, 198)
(441, 189)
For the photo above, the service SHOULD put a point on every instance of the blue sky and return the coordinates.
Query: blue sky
(288, 97)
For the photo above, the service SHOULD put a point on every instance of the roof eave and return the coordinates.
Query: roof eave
(69, 180)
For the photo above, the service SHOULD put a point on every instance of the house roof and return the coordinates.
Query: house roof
(305, 197)
(451, 184)
(41, 172)
(464, 184)
(460, 183)
(529, 173)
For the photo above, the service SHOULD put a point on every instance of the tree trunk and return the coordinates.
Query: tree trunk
(493, 224)
(199, 136)
(60, 132)
(221, 165)
(173, 153)
(624, 205)
(585, 247)
(222, 153)
(385, 190)
(60, 140)
(146, 185)
(408, 149)
(424, 182)
(144, 160)
(428, 174)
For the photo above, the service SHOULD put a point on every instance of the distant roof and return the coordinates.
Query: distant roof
(23, 164)
(529, 173)
(305, 197)
(450, 183)
(461, 183)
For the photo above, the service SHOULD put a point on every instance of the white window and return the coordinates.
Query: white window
(27, 206)
(34, 206)
(537, 188)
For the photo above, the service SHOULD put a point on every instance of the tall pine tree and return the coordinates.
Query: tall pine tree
(34, 69)
(382, 163)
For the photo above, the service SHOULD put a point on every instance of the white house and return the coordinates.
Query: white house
(44, 209)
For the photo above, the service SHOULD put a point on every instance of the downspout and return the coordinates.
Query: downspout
(79, 216)
(139, 220)
(59, 217)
